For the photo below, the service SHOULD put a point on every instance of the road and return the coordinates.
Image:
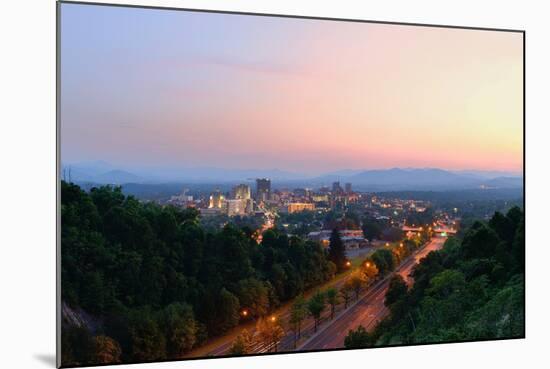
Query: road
(221, 345)
(368, 311)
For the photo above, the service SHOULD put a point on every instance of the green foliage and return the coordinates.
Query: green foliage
(471, 289)
(147, 340)
(332, 300)
(298, 313)
(384, 261)
(159, 284)
(355, 282)
(337, 251)
(372, 229)
(179, 325)
(316, 305)
(242, 344)
(357, 338)
(397, 290)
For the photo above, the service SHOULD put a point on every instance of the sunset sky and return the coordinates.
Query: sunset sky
(143, 87)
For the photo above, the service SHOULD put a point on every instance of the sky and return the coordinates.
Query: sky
(152, 88)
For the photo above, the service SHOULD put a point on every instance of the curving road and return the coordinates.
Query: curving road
(369, 310)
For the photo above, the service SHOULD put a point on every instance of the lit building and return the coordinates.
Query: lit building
(295, 207)
(336, 187)
(263, 189)
(319, 198)
(236, 207)
(241, 191)
(216, 200)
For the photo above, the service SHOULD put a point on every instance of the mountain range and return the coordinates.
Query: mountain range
(394, 179)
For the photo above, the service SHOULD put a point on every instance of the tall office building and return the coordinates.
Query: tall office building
(348, 188)
(236, 207)
(241, 192)
(336, 187)
(263, 189)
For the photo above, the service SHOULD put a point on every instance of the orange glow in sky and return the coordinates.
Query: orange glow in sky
(301, 95)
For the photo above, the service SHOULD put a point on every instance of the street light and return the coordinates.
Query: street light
(367, 264)
(401, 244)
(273, 318)
(348, 263)
(244, 313)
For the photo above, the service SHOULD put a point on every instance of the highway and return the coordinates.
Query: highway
(368, 311)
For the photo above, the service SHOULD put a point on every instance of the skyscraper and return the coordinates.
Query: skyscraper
(348, 188)
(336, 188)
(263, 189)
(241, 192)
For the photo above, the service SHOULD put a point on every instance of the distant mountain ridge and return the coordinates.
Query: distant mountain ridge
(393, 179)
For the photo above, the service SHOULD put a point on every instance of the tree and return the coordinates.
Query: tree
(397, 290)
(270, 332)
(446, 283)
(78, 346)
(147, 341)
(107, 350)
(316, 306)
(383, 259)
(242, 344)
(337, 251)
(332, 299)
(298, 313)
(228, 311)
(180, 328)
(254, 296)
(392, 234)
(371, 230)
(480, 241)
(357, 338)
(370, 270)
(346, 293)
(161, 282)
(356, 282)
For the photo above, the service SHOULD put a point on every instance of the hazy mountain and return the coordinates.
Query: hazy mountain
(102, 172)
(395, 179)
(488, 174)
(117, 177)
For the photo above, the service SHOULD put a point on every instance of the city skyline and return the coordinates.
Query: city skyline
(139, 89)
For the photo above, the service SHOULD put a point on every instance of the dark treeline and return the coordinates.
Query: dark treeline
(472, 289)
(156, 283)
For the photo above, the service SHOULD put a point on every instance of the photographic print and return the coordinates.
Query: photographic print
(235, 184)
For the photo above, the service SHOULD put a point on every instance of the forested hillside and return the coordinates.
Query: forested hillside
(472, 289)
(156, 284)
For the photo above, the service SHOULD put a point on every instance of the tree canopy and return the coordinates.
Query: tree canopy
(156, 283)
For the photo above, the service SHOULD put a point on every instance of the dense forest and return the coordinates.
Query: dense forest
(153, 283)
(472, 289)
